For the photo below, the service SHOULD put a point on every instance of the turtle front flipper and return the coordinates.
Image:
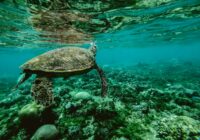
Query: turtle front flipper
(42, 91)
(103, 80)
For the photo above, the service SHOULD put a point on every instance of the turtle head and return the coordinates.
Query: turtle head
(93, 48)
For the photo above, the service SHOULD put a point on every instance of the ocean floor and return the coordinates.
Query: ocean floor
(158, 101)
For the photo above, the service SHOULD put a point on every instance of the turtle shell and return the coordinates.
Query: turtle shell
(67, 59)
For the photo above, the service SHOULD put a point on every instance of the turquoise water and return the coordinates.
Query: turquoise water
(11, 58)
(148, 50)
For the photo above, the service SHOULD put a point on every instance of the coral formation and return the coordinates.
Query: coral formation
(41, 91)
(31, 112)
(142, 103)
(81, 95)
(175, 127)
(46, 132)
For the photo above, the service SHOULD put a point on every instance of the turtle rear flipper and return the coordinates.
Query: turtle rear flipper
(42, 91)
(23, 77)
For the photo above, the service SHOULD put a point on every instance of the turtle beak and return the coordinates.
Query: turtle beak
(93, 43)
(93, 48)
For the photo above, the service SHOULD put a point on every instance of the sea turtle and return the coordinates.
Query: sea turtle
(62, 62)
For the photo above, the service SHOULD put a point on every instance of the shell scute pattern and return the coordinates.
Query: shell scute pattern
(62, 60)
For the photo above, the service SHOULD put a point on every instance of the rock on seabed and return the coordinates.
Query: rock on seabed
(46, 132)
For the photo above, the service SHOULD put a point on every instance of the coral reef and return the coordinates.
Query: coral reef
(174, 127)
(41, 91)
(81, 95)
(142, 103)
